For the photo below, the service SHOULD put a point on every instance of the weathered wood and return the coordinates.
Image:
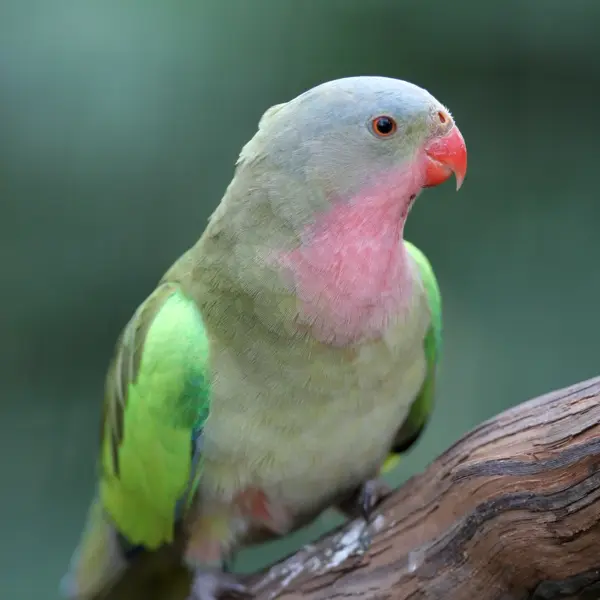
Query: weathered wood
(509, 512)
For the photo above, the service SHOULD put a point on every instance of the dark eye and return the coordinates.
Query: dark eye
(384, 126)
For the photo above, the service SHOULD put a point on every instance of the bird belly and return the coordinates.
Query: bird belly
(346, 445)
(313, 442)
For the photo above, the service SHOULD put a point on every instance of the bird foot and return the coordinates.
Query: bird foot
(371, 495)
(213, 584)
(362, 503)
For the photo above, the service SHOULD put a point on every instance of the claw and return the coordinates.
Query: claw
(214, 584)
(362, 503)
(370, 495)
(365, 499)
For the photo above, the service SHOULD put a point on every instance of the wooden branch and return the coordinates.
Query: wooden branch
(510, 512)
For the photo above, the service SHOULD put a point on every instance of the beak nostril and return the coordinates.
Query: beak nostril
(442, 117)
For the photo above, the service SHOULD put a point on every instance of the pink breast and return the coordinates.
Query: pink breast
(350, 272)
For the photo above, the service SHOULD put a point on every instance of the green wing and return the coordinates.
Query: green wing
(156, 403)
(423, 405)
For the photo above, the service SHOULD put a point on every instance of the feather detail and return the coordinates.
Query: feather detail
(422, 407)
(157, 400)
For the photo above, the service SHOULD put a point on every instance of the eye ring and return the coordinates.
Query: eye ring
(384, 126)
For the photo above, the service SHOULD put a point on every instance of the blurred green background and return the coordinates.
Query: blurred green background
(119, 126)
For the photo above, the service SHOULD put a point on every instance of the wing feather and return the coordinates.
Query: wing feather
(156, 401)
(421, 409)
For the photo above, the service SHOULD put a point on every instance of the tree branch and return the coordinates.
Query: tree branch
(509, 512)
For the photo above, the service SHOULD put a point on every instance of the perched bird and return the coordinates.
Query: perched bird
(282, 358)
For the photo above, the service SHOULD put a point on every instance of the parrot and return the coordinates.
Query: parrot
(289, 353)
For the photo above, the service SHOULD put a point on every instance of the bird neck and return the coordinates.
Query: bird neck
(351, 272)
(343, 274)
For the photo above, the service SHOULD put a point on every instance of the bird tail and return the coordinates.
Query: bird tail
(98, 560)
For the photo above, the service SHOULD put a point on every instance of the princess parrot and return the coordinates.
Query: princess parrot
(282, 358)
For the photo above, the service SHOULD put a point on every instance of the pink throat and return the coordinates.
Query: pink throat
(351, 272)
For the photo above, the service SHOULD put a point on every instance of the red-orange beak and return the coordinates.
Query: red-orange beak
(446, 155)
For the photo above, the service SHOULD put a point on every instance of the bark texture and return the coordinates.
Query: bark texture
(509, 512)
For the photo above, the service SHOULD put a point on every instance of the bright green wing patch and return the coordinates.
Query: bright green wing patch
(423, 405)
(157, 400)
